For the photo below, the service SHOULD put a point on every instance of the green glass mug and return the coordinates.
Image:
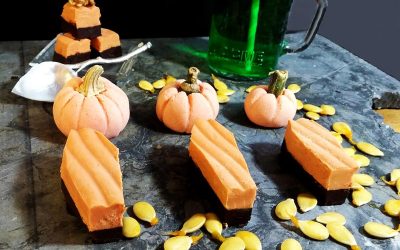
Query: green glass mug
(246, 36)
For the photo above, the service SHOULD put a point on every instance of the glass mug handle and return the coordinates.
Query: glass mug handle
(312, 31)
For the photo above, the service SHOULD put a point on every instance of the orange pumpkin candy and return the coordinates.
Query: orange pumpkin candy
(271, 106)
(91, 102)
(180, 103)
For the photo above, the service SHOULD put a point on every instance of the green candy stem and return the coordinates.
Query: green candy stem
(91, 85)
(277, 82)
(190, 85)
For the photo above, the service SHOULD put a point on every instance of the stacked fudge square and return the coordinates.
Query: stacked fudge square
(83, 37)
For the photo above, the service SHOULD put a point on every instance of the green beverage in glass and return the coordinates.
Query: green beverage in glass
(246, 36)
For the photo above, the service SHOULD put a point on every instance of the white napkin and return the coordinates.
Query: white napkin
(43, 81)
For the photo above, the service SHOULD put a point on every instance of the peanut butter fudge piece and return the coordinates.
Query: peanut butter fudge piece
(82, 21)
(321, 158)
(108, 45)
(68, 50)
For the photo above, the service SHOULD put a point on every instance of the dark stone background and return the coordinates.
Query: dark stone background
(367, 28)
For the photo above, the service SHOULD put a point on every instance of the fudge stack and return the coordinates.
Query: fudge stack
(83, 37)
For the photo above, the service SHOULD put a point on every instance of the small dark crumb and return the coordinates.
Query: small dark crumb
(14, 77)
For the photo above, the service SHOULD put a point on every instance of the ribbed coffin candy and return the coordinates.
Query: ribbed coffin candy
(320, 154)
(214, 150)
(91, 173)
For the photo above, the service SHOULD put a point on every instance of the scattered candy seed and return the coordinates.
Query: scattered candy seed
(159, 84)
(392, 207)
(223, 98)
(294, 88)
(368, 148)
(395, 174)
(169, 79)
(331, 217)
(226, 92)
(291, 244)
(362, 160)
(343, 129)
(214, 226)
(144, 211)
(181, 242)
(232, 243)
(251, 240)
(380, 230)
(218, 84)
(312, 108)
(146, 85)
(300, 104)
(194, 223)
(341, 234)
(338, 137)
(350, 151)
(363, 179)
(249, 89)
(312, 115)
(356, 186)
(130, 227)
(306, 201)
(312, 229)
(361, 197)
(327, 110)
(285, 209)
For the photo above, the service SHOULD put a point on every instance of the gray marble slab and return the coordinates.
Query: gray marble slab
(155, 161)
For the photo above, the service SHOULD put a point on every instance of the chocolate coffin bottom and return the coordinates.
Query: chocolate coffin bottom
(108, 53)
(80, 33)
(77, 58)
(97, 237)
(324, 197)
(235, 217)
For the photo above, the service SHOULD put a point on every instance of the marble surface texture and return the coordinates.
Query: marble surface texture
(155, 162)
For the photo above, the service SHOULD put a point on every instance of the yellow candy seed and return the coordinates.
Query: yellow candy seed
(226, 92)
(181, 242)
(306, 201)
(350, 151)
(379, 230)
(146, 85)
(214, 226)
(312, 108)
(194, 223)
(159, 84)
(145, 211)
(395, 174)
(169, 79)
(341, 234)
(327, 110)
(223, 98)
(330, 217)
(294, 88)
(232, 243)
(361, 160)
(291, 244)
(312, 229)
(249, 89)
(343, 129)
(285, 209)
(251, 240)
(218, 84)
(361, 197)
(130, 227)
(312, 115)
(392, 207)
(338, 137)
(368, 148)
(363, 179)
(299, 104)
